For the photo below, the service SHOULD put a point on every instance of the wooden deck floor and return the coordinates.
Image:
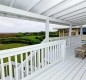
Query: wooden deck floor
(71, 69)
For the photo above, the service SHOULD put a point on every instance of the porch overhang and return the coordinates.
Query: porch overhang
(64, 12)
(21, 14)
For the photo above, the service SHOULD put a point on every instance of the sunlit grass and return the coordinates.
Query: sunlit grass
(11, 45)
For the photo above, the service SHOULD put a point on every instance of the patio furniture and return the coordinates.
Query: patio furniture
(80, 52)
(84, 46)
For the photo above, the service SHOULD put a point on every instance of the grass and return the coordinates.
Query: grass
(12, 45)
(30, 38)
(15, 45)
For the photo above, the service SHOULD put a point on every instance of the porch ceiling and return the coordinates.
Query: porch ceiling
(58, 11)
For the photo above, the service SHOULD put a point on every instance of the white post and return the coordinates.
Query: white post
(64, 50)
(63, 33)
(70, 32)
(81, 30)
(81, 33)
(47, 31)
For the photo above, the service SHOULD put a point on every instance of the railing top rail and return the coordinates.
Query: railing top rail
(16, 51)
(65, 36)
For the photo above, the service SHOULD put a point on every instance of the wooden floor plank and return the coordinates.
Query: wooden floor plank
(60, 69)
(75, 71)
(56, 70)
(54, 77)
(50, 71)
(71, 69)
(79, 75)
(84, 76)
(68, 71)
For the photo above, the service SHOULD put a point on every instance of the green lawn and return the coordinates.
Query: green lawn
(34, 39)
(30, 37)
(12, 45)
(15, 45)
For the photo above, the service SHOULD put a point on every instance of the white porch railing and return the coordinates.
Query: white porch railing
(29, 59)
(70, 40)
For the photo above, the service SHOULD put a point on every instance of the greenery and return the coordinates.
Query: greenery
(9, 41)
(13, 40)
(12, 45)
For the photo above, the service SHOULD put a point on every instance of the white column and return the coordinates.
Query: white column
(81, 33)
(70, 30)
(63, 33)
(59, 33)
(81, 30)
(47, 31)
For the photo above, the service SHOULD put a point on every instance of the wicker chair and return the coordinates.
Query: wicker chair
(80, 51)
(84, 46)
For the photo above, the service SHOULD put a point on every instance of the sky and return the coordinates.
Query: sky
(11, 25)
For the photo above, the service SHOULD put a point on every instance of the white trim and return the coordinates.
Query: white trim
(70, 30)
(81, 30)
(24, 14)
(47, 31)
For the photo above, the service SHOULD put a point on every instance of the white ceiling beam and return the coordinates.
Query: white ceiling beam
(22, 13)
(81, 23)
(78, 22)
(70, 10)
(82, 16)
(62, 7)
(32, 4)
(74, 13)
(45, 5)
(77, 16)
(11, 3)
(77, 19)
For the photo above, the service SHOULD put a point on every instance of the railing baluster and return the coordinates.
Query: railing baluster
(51, 55)
(58, 52)
(35, 60)
(42, 57)
(6, 71)
(45, 56)
(22, 68)
(39, 58)
(55, 53)
(16, 68)
(2, 69)
(27, 70)
(10, 68)
(48, 55)
(31, 62)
